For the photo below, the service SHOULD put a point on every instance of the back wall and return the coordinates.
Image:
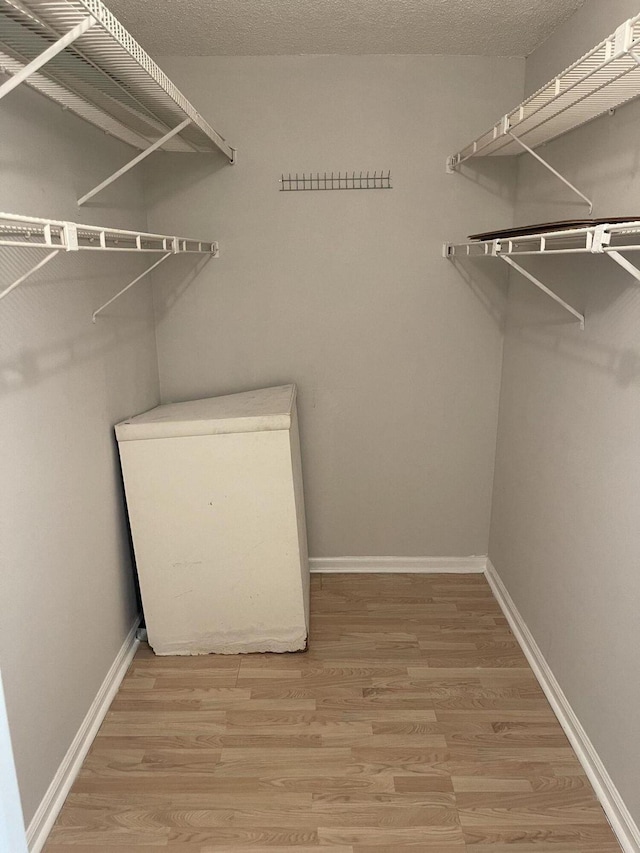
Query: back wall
(396, 357)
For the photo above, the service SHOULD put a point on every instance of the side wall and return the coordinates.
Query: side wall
(346, 293)
(565, 533)
(67, 596)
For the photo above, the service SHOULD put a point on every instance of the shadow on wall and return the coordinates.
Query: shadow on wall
(30, 366)
(164, 171)
(488, 285)
(170, 284)
(610, 299)
(623, 363)
(495, 175)
(35, 316)
(38, 299)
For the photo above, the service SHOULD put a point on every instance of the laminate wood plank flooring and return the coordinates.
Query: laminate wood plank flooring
(412, 722)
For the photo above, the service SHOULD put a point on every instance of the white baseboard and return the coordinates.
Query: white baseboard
(53, 800)
(418, 565)
(623, 825)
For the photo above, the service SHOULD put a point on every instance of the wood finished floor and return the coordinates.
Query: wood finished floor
(413, 722)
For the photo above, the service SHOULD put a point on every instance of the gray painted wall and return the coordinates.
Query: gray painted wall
(565, 534)
(66, 585)
(397, 359)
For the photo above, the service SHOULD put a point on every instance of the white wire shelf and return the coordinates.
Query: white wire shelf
(602, 239)
(56, 236)
(79, 55)
(605, 78)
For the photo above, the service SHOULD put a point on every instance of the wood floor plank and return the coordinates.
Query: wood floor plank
(413, 722)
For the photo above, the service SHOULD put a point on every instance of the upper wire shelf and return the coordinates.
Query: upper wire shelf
(331, 181)
(57, 236)
(605, 78)
(79, 55)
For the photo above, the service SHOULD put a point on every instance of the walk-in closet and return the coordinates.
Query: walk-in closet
(320, 393)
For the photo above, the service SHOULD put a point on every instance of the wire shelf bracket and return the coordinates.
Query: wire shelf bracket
(124, 169)
(126, 287)
(41, 263)
(57, 236)
(532, 278)
(626, 264)
(48, 54)
(552, 170)
(80, 56)
(603, 239)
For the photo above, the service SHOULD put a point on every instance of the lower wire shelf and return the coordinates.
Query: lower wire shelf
(56, 236)
(609, 239)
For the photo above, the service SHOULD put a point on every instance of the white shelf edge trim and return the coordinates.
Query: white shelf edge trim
(604, 239)
(625, 828)
(605, 78)
(397, 565)
(30, 232)
(54, 798)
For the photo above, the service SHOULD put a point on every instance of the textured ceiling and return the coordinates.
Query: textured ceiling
(267, 27)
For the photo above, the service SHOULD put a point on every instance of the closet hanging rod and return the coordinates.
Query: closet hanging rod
(602, 239)
(605, 78)
(31, 232)
(79, 55)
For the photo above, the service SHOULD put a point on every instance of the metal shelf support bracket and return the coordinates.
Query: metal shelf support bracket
(600, 245)
(452, 164)
(124, 169)
(53, 50)
(626, 264)
(543, 288)
(551, 169)
(29, 273)
(131, 283)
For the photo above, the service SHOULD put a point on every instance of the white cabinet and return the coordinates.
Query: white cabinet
(215, 501)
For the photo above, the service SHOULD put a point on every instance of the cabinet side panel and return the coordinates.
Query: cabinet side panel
(212, 519)
(298, 489)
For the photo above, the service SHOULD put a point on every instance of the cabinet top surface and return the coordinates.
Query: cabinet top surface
(251, 411)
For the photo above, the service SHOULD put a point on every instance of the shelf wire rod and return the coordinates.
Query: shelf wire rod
(146, 115)
(626, 264)
(29, 273)
(131, 283)
(551, 169)
(53, 50)
(544, 288)
(124, 169)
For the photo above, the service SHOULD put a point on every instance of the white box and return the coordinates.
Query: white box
(216, 507)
